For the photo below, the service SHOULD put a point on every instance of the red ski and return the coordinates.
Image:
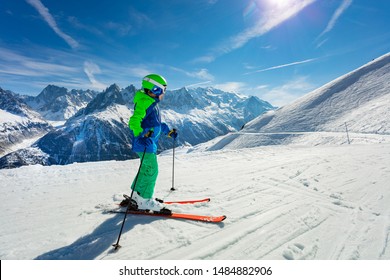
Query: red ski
(187, 201)
(173, 202)
(193, 217)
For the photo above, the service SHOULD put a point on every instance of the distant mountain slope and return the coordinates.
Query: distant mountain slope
(99, 131)
(359, 99)
(18, 122)
(205, 113)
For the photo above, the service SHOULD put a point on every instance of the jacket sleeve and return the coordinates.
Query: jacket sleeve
(136, 119)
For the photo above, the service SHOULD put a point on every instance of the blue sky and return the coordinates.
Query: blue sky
(275, 49)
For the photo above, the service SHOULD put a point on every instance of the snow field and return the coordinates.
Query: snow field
(281, 202)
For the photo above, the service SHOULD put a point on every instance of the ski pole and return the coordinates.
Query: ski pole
(116, 245)
(173, 167)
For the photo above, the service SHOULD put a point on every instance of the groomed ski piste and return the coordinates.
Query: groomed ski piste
(282, 203)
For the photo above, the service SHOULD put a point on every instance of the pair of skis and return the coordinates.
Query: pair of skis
(173, 215)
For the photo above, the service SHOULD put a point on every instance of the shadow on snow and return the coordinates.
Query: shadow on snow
(91, 246)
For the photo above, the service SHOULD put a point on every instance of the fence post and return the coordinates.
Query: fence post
(346, 129)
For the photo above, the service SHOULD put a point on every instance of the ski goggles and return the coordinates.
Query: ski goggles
(158, 91)
(158, 88)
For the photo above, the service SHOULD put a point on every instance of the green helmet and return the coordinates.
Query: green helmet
(155, 83)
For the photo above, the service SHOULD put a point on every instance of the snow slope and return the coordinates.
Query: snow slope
(282, 202)
(359, 100)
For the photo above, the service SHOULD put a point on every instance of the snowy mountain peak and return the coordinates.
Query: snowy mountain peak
(112, 95)
(180, 99)
(58, 104)
(113, 88)
(50, 94)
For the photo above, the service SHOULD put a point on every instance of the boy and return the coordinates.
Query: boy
(147, 128)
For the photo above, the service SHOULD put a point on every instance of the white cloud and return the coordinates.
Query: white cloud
(91, 69)
(44, 12)
(236, 87)
(340, 10)
(202, 74)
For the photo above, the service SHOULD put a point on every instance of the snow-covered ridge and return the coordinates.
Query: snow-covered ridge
(365, 90)
(357, 102)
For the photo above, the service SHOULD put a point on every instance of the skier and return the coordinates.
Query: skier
(146, 125)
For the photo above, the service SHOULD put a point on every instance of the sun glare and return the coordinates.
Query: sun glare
(279, 4)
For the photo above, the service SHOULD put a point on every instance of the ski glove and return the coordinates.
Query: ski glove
(145, 141)
(173, 133)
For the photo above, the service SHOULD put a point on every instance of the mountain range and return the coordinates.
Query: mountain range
(58, 103)
(93, 126)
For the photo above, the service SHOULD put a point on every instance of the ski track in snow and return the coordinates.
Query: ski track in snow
(281, 202)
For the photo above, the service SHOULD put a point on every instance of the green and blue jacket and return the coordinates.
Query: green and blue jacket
(146, 118)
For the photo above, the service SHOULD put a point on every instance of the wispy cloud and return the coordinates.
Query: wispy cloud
(89, 28)
(44, 12)
(14, 63)
(282, 66)
(198, 84)
(340, 10)
(273, 16)
(202, 74)
(90, 69)
(119, 28)
(26, 74)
